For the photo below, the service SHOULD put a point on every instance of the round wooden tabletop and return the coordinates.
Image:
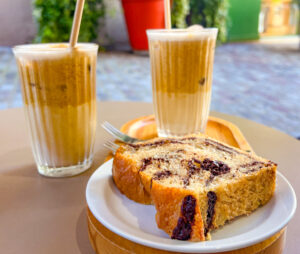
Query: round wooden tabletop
(43, 215)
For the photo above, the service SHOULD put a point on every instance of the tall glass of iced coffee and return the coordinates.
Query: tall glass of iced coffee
(181, 68)
(59, 95)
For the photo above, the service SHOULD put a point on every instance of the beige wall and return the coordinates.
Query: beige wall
(115, 27)
(17, 25)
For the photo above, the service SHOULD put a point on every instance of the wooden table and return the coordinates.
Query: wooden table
(43, 215)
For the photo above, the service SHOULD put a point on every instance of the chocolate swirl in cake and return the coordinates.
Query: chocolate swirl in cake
(148, 161)
(161, 142)
(252, 164)
(156, 143)
(162, 174)
(194, 166)
(255, 166)
(215, 167)
(185, 222)
(212, 198)
(219, 146)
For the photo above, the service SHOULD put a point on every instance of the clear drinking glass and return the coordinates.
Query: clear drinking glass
(59, 96)
(181, 68)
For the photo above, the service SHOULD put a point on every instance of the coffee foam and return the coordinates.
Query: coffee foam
(195, 28)
(51, 50)
(194, 33)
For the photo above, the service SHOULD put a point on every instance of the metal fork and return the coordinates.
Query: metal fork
(111, 146)
(118, 134)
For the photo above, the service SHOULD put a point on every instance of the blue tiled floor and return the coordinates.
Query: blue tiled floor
(258, 81)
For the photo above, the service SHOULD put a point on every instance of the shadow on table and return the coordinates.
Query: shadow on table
(10, 161)
(82, 237)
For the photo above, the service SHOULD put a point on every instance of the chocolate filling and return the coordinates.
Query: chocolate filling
(212, 198)
(161, 142)
(215, 167)
(161, 160)
(186, 181)
(190, 138)
(219, 146)
(157, 143)
(252, 164)
(209, 180)
(193, 168)
(185, 222)
(256, 164)
(197, 161)
(148, 161)
(270, 163)
(224, 148)
(162, 174)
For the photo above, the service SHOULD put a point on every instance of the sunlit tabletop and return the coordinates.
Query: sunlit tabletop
(43, 215)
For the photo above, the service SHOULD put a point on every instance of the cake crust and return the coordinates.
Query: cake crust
(127, 178)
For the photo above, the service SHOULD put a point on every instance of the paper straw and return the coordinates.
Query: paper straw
(167, 14)
(76, 23)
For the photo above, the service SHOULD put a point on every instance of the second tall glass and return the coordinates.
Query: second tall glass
(181, 67)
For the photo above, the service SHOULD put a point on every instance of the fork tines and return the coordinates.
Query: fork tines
(118, 134)
(111, 129)
(111, 146)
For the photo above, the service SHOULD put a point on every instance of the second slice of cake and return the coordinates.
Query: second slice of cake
(196, 183)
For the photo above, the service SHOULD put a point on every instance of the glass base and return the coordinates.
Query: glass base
(65, 171)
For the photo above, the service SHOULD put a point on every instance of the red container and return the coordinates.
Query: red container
(141, 15)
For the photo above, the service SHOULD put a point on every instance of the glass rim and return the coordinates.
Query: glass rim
(46, 47)
(183, 31)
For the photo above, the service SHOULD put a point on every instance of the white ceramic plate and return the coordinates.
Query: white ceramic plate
(136, 222)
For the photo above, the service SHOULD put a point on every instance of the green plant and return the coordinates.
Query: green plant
(54, 19)
(180, 9)
(211, 13)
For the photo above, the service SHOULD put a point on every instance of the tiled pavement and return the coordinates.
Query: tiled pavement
(258, 81)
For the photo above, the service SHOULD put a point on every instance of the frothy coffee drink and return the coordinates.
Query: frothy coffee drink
(59, 94)
(181, 66)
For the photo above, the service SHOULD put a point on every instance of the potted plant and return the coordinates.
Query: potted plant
(211, 13)
(141, 15)
(54, 19)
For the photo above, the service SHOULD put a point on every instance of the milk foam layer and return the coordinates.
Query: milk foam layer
(182, 34)
(52, 50)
